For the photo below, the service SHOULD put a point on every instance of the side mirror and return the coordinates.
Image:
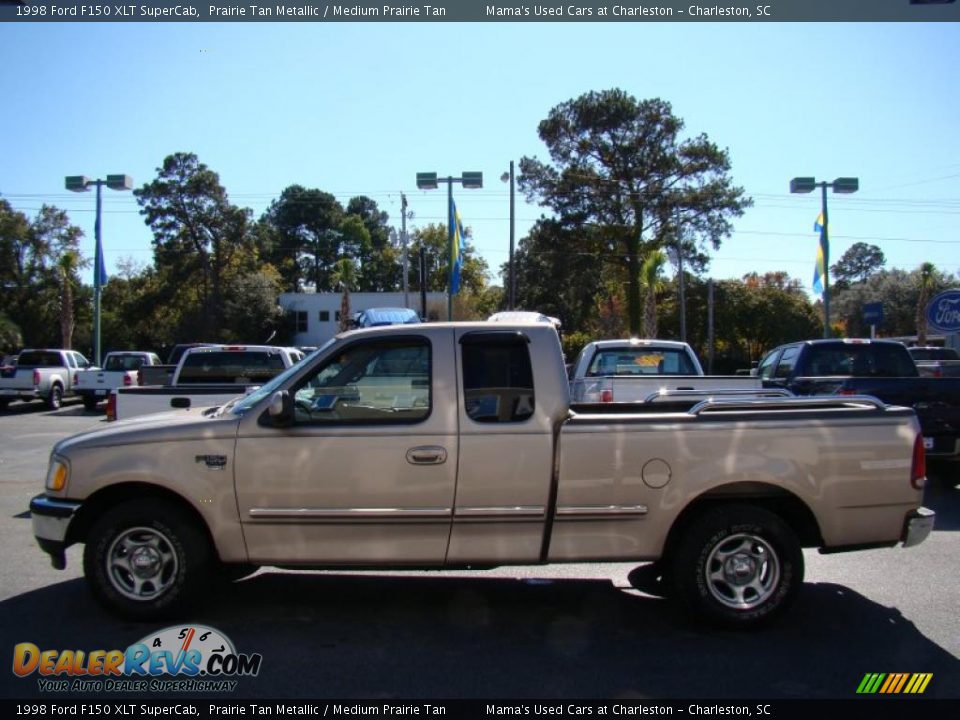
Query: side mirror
(281, 408)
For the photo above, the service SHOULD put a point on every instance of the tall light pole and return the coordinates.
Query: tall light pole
(81, 183)
(511, 283)
(429, 181)
(844, 185)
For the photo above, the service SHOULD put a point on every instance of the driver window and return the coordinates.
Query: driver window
(386, 381)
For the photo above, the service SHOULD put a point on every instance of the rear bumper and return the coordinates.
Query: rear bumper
(917, 526)
(944, 446)
(21, 393)
(51, 520)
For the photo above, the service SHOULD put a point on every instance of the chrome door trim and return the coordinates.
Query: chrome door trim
(601, 512)
(360, 515)
(504, 513)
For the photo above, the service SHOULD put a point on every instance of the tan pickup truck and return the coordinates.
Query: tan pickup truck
(455, 445)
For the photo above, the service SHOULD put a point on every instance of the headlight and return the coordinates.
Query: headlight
(57, 474)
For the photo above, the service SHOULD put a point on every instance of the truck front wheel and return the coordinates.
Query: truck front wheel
(737, 565)
(146, 559)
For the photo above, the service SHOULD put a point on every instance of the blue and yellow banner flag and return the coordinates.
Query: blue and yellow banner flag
(819, 270)
(456, 230)
(101, 269)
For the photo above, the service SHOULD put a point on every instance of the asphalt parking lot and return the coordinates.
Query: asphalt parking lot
(577, 631)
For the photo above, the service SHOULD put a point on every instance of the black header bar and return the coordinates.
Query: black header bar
(627, 11)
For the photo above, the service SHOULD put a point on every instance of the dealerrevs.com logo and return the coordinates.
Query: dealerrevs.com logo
(193, 658)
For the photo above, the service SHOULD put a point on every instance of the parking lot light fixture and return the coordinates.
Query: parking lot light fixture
(81, 183)
(845, 186)
(430, 181)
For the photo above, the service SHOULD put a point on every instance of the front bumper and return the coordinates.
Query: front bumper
(917, 526)
(51, 521)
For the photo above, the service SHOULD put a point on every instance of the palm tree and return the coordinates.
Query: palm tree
(651, 281)
(66, 270)
(925, 281)
(344, 276)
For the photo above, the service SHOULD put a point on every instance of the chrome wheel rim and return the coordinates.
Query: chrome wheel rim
(141, 563)
(742, 571)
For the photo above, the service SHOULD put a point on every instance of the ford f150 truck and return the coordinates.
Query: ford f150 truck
(48, 375)
(206, 375)
(454, 445)
(632, 370)
(880, 368)
(120, 369)
(163, 374)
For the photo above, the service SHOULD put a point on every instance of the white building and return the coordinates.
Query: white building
(317, 315)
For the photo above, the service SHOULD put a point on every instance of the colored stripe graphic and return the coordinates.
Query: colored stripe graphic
(894, 683)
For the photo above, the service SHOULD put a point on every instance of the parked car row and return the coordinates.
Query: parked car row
(606, 371)
(51, 375)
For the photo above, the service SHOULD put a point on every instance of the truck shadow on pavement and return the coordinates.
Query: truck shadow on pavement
(362, 636)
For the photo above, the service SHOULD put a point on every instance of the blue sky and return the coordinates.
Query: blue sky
(361, 108)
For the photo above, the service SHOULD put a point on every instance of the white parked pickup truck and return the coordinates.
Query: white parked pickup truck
(634, 370)
(47, 375)
(453, 445)
(120, 369)
(205, 376)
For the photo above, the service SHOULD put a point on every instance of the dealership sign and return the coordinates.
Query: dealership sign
(943, 312)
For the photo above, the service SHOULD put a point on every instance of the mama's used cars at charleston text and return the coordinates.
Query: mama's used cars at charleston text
(455, 445)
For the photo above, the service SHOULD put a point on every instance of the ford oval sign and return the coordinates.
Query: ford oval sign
(943, 312)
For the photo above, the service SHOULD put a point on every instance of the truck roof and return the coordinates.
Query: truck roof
(638, 342)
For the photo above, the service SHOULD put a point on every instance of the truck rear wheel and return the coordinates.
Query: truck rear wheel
(55, 398)
(145, 559)
(737, 565)
(90, 402)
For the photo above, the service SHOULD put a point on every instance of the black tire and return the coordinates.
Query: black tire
(737, 566)
(55, 398)
(146, 559)
(90, 402)
(3, 404)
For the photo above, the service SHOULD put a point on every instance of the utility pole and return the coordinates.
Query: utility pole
(683, 302)
(403, 240)
(423, 284)
(710, 336)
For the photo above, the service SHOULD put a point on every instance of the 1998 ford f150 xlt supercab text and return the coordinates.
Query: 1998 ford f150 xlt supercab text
(455, 445)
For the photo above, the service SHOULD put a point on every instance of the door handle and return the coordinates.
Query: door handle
(427, 455)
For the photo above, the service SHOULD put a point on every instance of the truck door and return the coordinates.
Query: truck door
(506, 453)
(366, 474)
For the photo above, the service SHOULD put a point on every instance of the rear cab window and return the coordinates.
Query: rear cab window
(230, 367)
(40, 359)
(860, 360)
(641, 361)
(497, 377)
